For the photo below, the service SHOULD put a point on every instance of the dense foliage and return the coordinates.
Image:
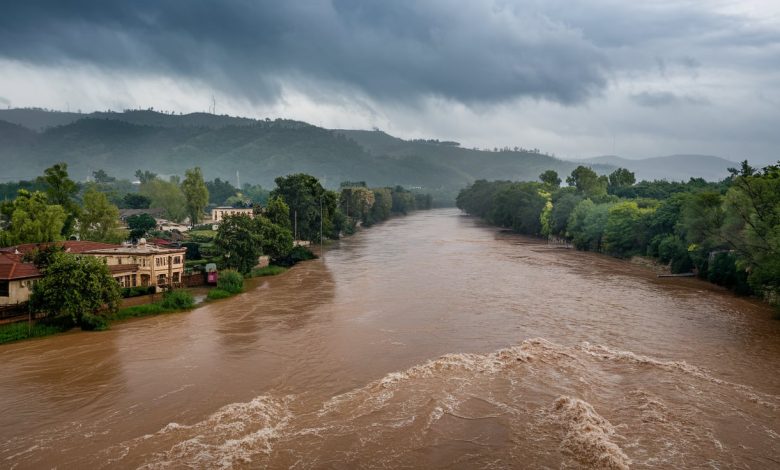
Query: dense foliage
(727, 232)
(78, 290)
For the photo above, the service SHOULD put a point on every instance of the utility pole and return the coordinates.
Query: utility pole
(295, 218)
(321, 227)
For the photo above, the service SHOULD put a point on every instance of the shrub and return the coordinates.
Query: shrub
(91, 322)
(177, 300)
(297, 254)
(137, 291)
(139, 311)
(231, 281)
(271, 270)
(217, 293)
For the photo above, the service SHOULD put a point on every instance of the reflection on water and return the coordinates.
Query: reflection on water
(429, 340)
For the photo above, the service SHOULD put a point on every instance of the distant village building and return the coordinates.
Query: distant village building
(219, 213)
(130, 265)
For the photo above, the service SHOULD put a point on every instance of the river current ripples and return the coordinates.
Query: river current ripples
(429, 341)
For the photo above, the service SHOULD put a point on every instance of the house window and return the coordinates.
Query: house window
(118, 260)
(145, 280)
(161, 280)
(135, 280)
(176, 278)
(5, 290)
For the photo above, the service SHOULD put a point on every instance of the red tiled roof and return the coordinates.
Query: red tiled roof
(11, 267)
(71, 246)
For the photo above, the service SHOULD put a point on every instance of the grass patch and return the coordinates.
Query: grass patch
(217, 293)
(17, 331)
(270, 270)
(172, 301)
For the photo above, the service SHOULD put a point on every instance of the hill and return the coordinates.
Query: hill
(260, 150)
(672, 167)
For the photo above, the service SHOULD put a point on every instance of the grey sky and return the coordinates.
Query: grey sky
(577, 78)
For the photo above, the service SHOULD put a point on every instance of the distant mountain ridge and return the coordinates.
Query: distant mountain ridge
(260, 150)
(671, 167)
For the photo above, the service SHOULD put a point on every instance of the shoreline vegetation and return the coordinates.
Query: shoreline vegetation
(235, 245)
(725, 232)
(174, 301)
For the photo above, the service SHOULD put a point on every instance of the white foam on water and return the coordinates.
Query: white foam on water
(587, 435)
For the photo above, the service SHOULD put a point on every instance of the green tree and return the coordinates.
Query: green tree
(220, 191)
(239, 242)
(550, 178)
(277, 241)
(626, 229)
(563, 205)
(102, 177)
(752, 226)
(136, 201)
(195, 193)
(30, 219)
(620, 178)
(588, 182)
(62, 191)
(77, 289)
(166, 195)
(356, 201)
(99, 219)
(382, 207)
(145, 176)
(310, 204)
(278, 212)
(140, 224)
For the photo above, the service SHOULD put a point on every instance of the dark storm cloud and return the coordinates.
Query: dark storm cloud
(468, 51)
(472, 52)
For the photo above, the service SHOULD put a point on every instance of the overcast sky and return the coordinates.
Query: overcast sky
(573, 78)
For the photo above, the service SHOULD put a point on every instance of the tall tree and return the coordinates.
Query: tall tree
(550, 178)
(196, 194)
(278, 212)
(620, 178)
(307, 200)
(62, 190)
(31, 219)
(136, 201)
(140, 224)
(588, 182)
(220, 191)
(102, 177)
(99, 219)
(239, 242)
(166, 195)
(145, 176)
(76, 288)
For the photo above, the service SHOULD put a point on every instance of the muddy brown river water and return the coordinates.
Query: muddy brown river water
(430, 341)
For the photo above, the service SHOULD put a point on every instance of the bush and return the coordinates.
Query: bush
(723, 271)
(177, 300)
(271, 270)
(231, 281)
(137, 291)
(217, 293)
(91, 322)
(297, 254)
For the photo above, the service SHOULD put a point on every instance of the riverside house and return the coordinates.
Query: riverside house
(131, 265)
(219, 213)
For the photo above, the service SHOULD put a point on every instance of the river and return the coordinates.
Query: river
(429, 341)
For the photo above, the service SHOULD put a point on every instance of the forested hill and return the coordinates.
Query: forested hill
(260, 150)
